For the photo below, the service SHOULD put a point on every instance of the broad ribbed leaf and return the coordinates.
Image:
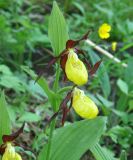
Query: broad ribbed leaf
(128, 78)
(5, 127)
(101, 154)
(122, 85)
(123, 155)
(122, 102)
(57, 30)
(129, 73)
(72, 141)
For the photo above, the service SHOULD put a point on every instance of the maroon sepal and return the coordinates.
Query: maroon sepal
(63, 59)
(89, 67)
(49, 64)
(64, 115)
(66, 111)
(71, 43)
(52, 61)
(95, 67)
(63, 107)
(79, 51)
(2, 149)
(66, 100)
(13, 136)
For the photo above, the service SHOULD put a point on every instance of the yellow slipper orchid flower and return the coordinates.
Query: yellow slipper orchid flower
(75, 69)
(83, 105)
(10, 153)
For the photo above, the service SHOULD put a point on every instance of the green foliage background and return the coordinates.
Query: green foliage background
(26, 33)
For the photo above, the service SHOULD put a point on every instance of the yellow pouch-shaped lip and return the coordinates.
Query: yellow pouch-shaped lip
(75, 69)
(10, 153)
(83, 105)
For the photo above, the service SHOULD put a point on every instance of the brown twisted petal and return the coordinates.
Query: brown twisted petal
(2, 149)
(95, 67)
(63, 107)
(13, 136)
(71, 43)
(91, 69)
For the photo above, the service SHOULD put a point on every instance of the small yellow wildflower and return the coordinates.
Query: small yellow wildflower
(75, 69)
(83, 105)
(104, 31)
(10, 153)
(114, 46)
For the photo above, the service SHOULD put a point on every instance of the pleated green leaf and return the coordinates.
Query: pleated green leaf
(5, 125)
(123, 155)
(101, 154)
(72, 141)
(57, 30)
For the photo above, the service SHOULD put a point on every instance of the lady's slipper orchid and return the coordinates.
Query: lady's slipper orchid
(10, 153)
(83, 105)
(104, 31)
(75, 69)
(7, 150)
(71, 65)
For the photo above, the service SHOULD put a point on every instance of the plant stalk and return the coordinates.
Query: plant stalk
(55, 107)
(52, 127)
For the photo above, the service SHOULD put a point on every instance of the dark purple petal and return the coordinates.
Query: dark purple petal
(13, 136)
(89, 67)
(65, 112)
(95, 67)
(71, 43)
(2, 149)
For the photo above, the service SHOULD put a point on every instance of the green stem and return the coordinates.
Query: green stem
(56, 83)
(52, 126)
(65, 89)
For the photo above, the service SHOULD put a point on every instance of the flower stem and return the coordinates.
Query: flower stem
(52, 127)
(55, 108)
(56, 83)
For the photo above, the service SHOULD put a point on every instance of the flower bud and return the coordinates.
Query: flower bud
(114, 46)
(75, 69)
(83, 105)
